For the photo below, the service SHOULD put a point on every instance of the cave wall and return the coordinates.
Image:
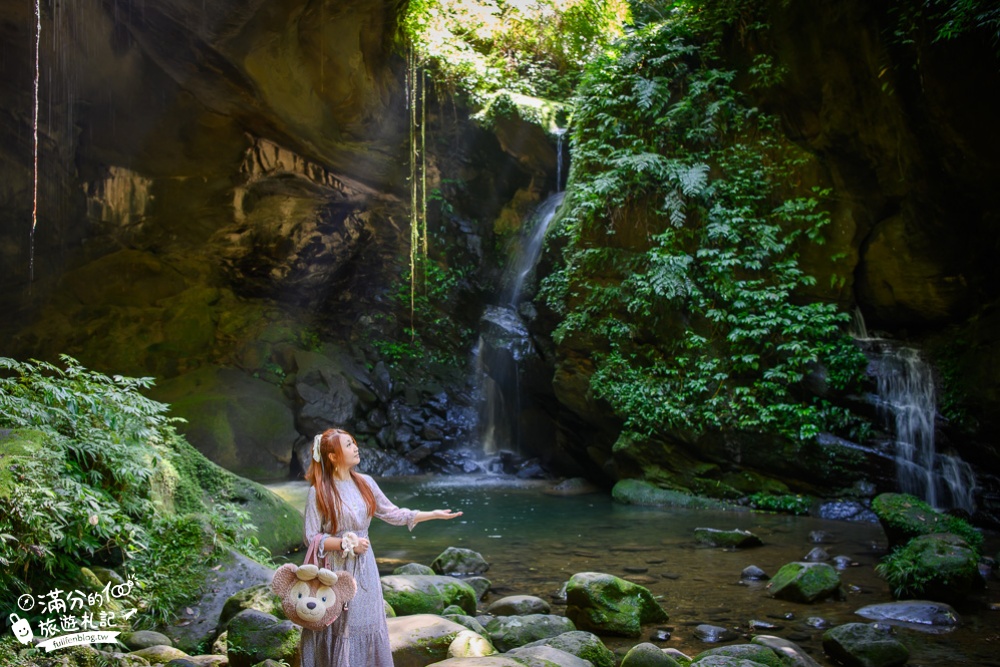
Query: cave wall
(223, 205)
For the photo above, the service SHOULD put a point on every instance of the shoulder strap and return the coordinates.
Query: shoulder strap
(312, 553)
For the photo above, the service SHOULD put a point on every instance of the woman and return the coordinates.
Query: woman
(343, 501)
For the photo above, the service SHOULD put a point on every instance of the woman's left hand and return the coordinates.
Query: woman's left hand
(445, 514)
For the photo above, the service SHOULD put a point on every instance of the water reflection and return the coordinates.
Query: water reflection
(535, 542)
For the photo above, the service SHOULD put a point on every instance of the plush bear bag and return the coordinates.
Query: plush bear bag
(311, 595)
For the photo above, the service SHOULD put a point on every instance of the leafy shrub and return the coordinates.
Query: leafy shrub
(88, 455)
(787, 503)
(680, 269)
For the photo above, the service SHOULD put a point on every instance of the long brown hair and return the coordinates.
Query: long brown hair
(331, 449)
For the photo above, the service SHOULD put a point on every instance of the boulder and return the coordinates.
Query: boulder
(144, 639)
(904, 517)
(469, 622)
(414, 568)
(518, 605)
(421, 639)
(254, 636)
(507, 632)
(805, 582)
(755, 653)
(606, 604)
(582, 644)
(728, 539)
(480, 584)
(546, 655)
(864, 645)
(711, 634)
(939, 566)
(259, 597)
(791, 654)
(455, 560)
(157, 655)
(207, 660)
(753, 573)
(427, 594)
(648, 655)
(916, 614)
(637, 492)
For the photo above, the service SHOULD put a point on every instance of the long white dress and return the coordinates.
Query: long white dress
(364, 642)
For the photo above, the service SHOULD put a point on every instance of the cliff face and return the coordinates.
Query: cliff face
(223, 204)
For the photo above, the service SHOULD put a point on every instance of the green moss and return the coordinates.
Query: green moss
(939, 567)
(752, 652)
(904, 517)
(805, 582)
(637, 492)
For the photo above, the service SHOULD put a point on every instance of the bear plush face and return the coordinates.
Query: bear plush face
(311, 596)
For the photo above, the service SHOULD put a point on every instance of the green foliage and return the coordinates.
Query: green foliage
(680, 268)
(908, 516)
(535, 49)
(946, 19)
(81, 462)
(787, 503)
(939, 566)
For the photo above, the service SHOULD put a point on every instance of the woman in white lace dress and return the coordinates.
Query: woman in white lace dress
(343, 501)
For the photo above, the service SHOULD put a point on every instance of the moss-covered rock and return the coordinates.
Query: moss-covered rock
(518, 605)
(414, 568)
(456, 560)
(507, 632)
(728, 539)
(582, 644)
(421, 639)
(254, 636)
(754, 653)
(469, 644)
(638, 492)
(606, 604)
(158, 655)
(648, 655)
(259, 597)
(805, 582)
(904, 517)
(427, 594)
(939, 567)
(864, 645)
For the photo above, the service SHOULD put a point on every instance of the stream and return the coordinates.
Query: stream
(535, 542)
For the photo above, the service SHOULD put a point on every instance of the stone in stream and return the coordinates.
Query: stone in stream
(606, 604)
(710, 634)
(547, 655)
(753, 573)
(518, 605)
(507, 632)
(648, 655)
(791, 654)
(414, 568)
(144, 639)
(421, 639)
(806, 582)
(817, 554)
(254, 636)
(753, 653)
(844, 562)
(819, 537)
(864, 645)
(660, 635)
(481, 585)
(427, 594)
(916, 614)
(729, 539)
(456, 560)
(582, 644)
(939, 566)
(757, 625)
(817, 622)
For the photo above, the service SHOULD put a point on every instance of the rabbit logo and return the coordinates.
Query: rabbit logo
(21, 628)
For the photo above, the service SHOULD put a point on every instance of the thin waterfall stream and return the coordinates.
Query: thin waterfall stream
(505, 344)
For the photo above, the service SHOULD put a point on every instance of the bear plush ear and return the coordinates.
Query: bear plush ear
(307, 572)
(327, 577)
(283, 579)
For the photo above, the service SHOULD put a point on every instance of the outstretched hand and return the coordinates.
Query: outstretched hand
(445, 514)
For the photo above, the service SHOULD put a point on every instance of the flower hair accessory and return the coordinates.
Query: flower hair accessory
(347, 543)
(316, 444)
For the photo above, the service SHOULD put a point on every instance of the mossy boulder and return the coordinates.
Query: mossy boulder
(546, 656)
(414, 568)
(254, 636)
(158, 655)
(518, 605)
(940, 567)
(259, 597)
(904, 517)
(470, 644)
(507, 632)
(421, 639)
(864, 645)
(648, 655)
(638, 492)
(427, 594)
(582, 644)
(806, 582)
(727, 539)
(759, 655)
(456, 560)
(792, 655)
(144, 639)
(606, 604)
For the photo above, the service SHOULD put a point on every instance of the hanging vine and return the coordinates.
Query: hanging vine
(416, 94)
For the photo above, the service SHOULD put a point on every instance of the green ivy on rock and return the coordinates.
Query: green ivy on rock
(680, 269)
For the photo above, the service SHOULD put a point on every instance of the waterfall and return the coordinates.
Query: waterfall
(559, 132)
(907, 403)
(505, 347)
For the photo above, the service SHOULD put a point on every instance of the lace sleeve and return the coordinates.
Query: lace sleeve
(388, 512)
